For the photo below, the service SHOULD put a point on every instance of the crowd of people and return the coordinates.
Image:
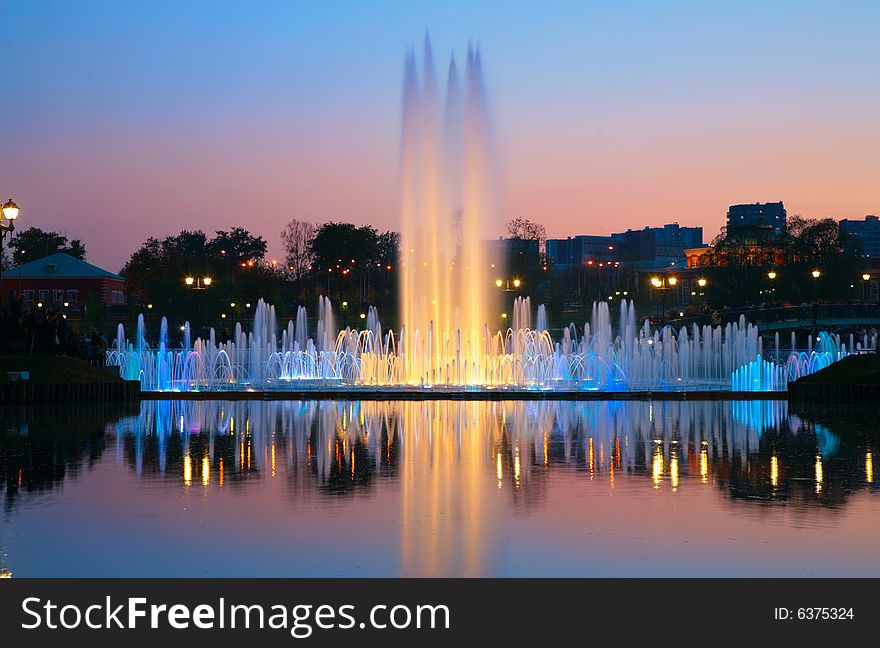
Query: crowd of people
(44, 331)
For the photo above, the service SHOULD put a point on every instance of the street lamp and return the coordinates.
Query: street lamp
(198, 283)
(663, 284)
(504, 284)
(701, 283)
(9, 211)
(816, 274)
(771, 275)
(866, 277)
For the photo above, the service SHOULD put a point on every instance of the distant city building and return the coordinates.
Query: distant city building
(578, 250)
(60, 278)
(651, 247)
(867, 231)
(659, 247)
(770, 214)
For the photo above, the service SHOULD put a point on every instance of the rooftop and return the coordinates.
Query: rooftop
(61, 265)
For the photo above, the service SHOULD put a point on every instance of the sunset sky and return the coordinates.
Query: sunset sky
(122, 120)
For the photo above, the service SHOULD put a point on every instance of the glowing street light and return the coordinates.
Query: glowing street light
(816, 274)
(771, 275)
(663, 284)
(505, 284)
(9, 211)
(197, 283)
(866, 277)
(701, 283)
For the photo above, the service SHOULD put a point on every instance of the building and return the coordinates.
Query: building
(659, 247)
(651, 247)
(867, 231)
(62, 281)
(579, 250)
(769, 214)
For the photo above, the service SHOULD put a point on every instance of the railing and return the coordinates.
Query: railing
(804, 314)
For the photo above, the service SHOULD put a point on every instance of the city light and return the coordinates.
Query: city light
(517, 283)
(701, 283)
(499, 283)
(866, 277)
(10, 210)
(771, 275)
(816, 274)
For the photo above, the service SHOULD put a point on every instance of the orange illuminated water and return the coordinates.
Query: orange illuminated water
(449, 305)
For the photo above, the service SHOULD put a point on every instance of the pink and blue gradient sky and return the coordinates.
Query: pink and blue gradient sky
(123, 120)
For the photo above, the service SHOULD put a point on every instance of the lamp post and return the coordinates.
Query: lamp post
(200, 284)
(866, 277)
(701, 284)
(771, 275)
(505, 284)
(9, 212)
(663, 284)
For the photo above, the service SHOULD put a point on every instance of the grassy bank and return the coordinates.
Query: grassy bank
(55, 370)
(853, 370)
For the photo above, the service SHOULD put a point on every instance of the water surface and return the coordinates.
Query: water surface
(442, 488)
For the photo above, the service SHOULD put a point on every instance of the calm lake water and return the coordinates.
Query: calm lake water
(438, 489)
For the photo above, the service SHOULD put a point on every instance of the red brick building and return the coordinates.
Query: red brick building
(62, 281)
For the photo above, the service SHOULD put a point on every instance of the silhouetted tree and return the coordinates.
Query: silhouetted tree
(297, 240)
(740, 258)
(34, 243)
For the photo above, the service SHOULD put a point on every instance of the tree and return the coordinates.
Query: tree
(526, 230)
(297, 240)
(342, 245)
(353, 263)
(238, 244)
(388, 248)
(524, 252)
(741, 257)
(34, 243)
(155, 275)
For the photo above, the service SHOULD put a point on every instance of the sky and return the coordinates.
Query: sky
(124, 120)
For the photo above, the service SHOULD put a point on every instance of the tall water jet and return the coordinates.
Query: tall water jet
(448, 301)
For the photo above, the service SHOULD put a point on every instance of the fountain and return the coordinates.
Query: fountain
(447, 215)
(449, 301)
(595, 356)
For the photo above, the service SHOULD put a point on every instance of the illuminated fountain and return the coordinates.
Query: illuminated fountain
(448, 300)
(596, 356)
(448, 215)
